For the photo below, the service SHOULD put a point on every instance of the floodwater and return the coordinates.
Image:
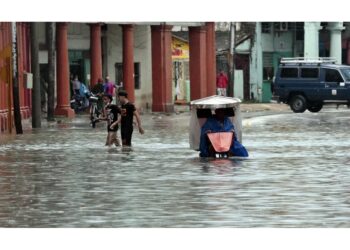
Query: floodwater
(297, 175)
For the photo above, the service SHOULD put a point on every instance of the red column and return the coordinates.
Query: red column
(20, 65)
(161, 69)
(96, 53)
(63, 107)
(348, 52)
(198, 65)
(211, 59)
(2, 83)
(128, 61)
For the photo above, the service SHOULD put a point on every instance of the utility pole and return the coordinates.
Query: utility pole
(50, 40)
(36, 96)
(259, 61)
(15, 87)
(231, 58)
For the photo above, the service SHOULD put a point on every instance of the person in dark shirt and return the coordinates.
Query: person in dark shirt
(128, 111)
(111, 112)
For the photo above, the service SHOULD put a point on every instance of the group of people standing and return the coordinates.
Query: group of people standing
(115, 109)
(122, 114)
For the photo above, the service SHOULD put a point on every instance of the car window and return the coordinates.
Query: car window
(346, 73)
(289, 72)
(309, 72)
(333, 75)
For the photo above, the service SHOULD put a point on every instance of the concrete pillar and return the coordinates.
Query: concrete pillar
(63, 92)
(259, 61)
(198, 64)
(211, 59)
(22, 62)
(311, 39)
(96, 53)
(161, 69)
(27, 56)
(128, 61)
(335, 29)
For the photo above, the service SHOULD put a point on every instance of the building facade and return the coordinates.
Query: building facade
(274, 40)
(138, 55)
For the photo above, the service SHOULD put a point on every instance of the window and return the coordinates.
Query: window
(268, 73)
(333, 75)
(267, 66)
(289, 72)
(309, 72)
(137, 75)
(281, 26)
(299, 31)
(265, 27)
(346, 73)
(119, 74)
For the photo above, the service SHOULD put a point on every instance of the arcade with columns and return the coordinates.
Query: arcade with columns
(202, 63)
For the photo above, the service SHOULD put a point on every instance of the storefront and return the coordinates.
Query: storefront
(181, 76)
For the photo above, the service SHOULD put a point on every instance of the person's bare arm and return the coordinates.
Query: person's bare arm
(115, 123)
(104, 115)
(138, 119)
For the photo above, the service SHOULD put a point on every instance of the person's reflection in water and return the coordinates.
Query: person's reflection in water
(222, 166)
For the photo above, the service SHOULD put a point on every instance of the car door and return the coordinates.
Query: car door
(334, 87)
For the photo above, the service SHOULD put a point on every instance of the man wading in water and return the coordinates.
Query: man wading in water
(128, 111)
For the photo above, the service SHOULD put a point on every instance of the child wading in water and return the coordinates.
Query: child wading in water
(111, 116)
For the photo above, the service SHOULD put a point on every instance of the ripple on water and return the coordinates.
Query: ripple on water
(296, 176)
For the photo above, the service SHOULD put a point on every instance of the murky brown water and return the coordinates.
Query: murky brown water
(297, 175)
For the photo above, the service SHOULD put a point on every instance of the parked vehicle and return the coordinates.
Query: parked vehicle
(80, 102)
(305, 83)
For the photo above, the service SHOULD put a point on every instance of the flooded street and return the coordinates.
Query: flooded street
(297, 175)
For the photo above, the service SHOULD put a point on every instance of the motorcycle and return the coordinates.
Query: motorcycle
(80, 102)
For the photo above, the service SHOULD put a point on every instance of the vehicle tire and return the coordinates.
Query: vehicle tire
(298, 104)
(315, 108)
(93, 116)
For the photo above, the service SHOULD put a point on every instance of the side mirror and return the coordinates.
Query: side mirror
(342, 84)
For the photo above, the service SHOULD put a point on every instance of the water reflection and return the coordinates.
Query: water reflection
(296, 176)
